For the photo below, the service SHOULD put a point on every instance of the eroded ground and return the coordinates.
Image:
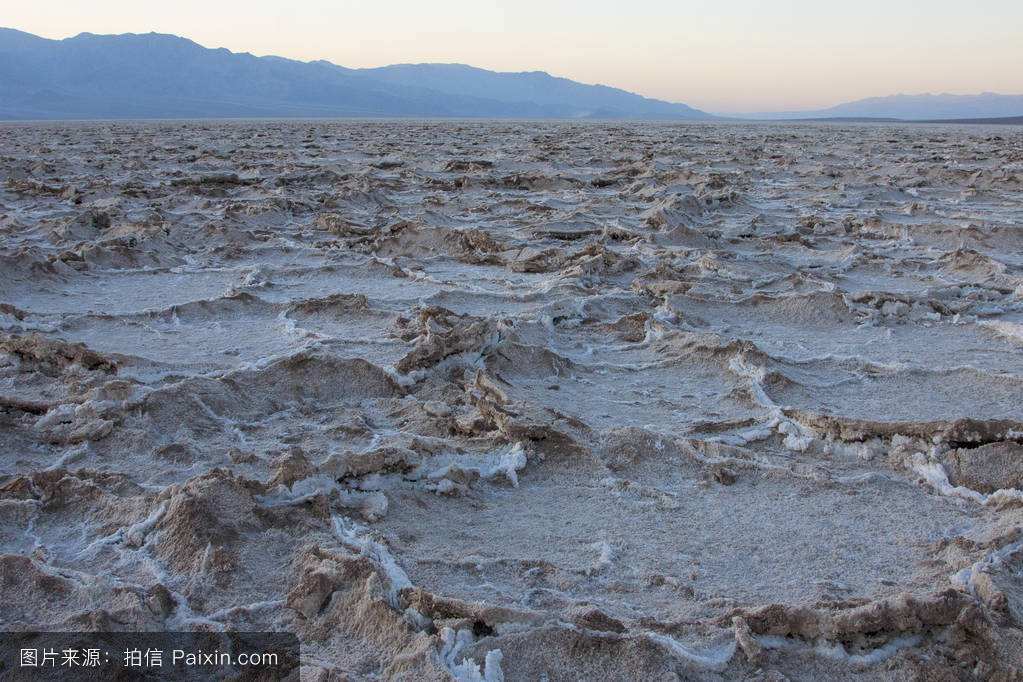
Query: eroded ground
(542, 401)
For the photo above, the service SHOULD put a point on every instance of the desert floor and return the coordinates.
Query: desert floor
(547, 401)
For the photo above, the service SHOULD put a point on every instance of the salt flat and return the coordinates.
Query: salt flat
(471, 399)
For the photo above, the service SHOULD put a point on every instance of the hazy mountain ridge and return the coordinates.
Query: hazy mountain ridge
(533, 86)
(925, 107)
(164, 76)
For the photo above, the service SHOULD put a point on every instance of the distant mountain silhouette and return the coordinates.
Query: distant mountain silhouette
(915, 108)
(163, 76)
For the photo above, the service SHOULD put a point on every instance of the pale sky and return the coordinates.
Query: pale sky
(717, 55)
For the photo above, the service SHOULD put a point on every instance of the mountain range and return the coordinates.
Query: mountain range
(156, 75)
(926, 107)
(164, 76)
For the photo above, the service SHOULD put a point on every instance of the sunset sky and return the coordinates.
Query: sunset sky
(723, 56)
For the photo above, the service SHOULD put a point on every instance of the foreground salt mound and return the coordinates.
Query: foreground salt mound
(484, 401)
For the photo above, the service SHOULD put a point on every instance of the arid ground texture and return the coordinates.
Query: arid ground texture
(520, 401)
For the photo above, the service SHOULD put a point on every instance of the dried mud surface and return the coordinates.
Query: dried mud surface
(520, 401)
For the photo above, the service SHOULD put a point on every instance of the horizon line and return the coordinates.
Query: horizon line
(727, 113)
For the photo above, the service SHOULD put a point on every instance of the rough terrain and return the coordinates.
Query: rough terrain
(521, 401)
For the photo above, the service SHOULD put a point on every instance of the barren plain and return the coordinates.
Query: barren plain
(520, 401)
